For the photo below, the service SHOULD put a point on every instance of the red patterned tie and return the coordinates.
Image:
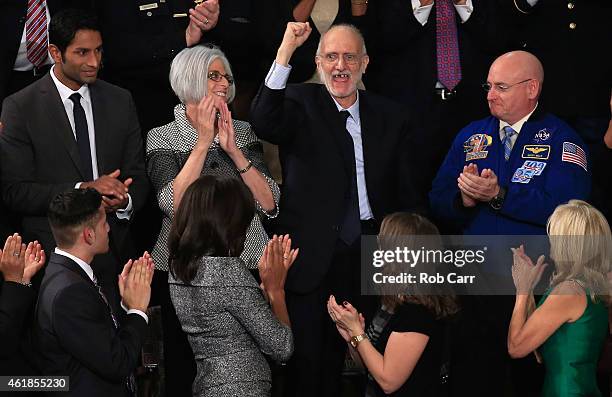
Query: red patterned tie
(36, 32)
(447, 45)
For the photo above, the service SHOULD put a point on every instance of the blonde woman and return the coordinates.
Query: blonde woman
(402, 349)
(570, 323)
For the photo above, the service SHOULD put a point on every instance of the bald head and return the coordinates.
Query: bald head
(345, 29)
(523, 63)
(516, 81)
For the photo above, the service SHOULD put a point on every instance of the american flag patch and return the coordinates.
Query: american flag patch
(573, 153)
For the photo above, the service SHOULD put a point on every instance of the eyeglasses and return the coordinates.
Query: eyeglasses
(216, 76)
(349, 59)
(500, 87)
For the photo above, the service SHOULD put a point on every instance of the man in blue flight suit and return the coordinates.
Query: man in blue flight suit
(505, 174)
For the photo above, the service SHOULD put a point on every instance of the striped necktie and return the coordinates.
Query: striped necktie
(36, 32)
(507, 141)
(447, 45)
(130, 381)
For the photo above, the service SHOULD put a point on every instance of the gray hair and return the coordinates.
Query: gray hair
(189, 73)
(349, 27)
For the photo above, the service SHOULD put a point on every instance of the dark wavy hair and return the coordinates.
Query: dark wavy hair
(69, 211)
(211, 220)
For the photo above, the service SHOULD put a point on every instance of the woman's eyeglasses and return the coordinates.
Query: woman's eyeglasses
(216, 76)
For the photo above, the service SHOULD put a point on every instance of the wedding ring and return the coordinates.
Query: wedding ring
(15, 253)
(206, 21)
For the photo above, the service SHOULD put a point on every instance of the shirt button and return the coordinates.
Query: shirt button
(572, 25)
(570, 6)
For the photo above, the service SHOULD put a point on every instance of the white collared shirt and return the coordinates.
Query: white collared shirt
(516, 127)
(87, 269)
(422, 13)
(64, 93)
(277, 79)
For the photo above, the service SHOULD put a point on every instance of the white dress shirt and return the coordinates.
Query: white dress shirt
(64, 93)
(22, 63)
(422, 13)
(87, 269)
(516, 127)
(277, 80)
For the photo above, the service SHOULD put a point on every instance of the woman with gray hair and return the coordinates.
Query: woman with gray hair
(203, 139)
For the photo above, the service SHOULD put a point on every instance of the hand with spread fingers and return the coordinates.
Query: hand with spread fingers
(34, 260)
(202, 18)
(525, 274)
(275, 262)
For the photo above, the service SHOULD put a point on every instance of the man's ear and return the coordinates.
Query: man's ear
(364, 63)
(534, 88)
(55, 52)
(89, 235)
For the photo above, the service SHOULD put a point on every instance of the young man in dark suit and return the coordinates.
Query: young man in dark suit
(77, 332)
(347, 161)
(68, 130)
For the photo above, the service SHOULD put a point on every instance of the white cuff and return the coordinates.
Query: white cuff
(136, 311)
(78, 185)
(465, 11)
(277, 76)
(532, 2)
(126, 213)
(421, 13)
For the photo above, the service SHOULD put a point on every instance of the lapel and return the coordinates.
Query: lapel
(56, 114)
(338, 132)
(70, 265)
(101, 115)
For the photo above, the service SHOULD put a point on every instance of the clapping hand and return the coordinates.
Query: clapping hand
(275, 262)
(525, 274)
(348, 320)
(135, 282)
(18, 262)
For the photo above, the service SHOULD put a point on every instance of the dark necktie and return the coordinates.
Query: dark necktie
(82, 136)
(130, 381)
(447, 45)
(351, 225)
(36, 32)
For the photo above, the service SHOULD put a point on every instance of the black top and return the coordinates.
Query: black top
(411, 317)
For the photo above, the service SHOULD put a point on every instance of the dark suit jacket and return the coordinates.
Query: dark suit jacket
(303, 120)
(39, 155)
(403, 62)
(15, 304)
(75, 335)
(577, 62)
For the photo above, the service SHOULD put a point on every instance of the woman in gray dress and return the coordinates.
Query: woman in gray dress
(220, 306)
(202, 140)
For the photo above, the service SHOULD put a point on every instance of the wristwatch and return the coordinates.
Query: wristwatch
(497, 201)
(355, 340)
